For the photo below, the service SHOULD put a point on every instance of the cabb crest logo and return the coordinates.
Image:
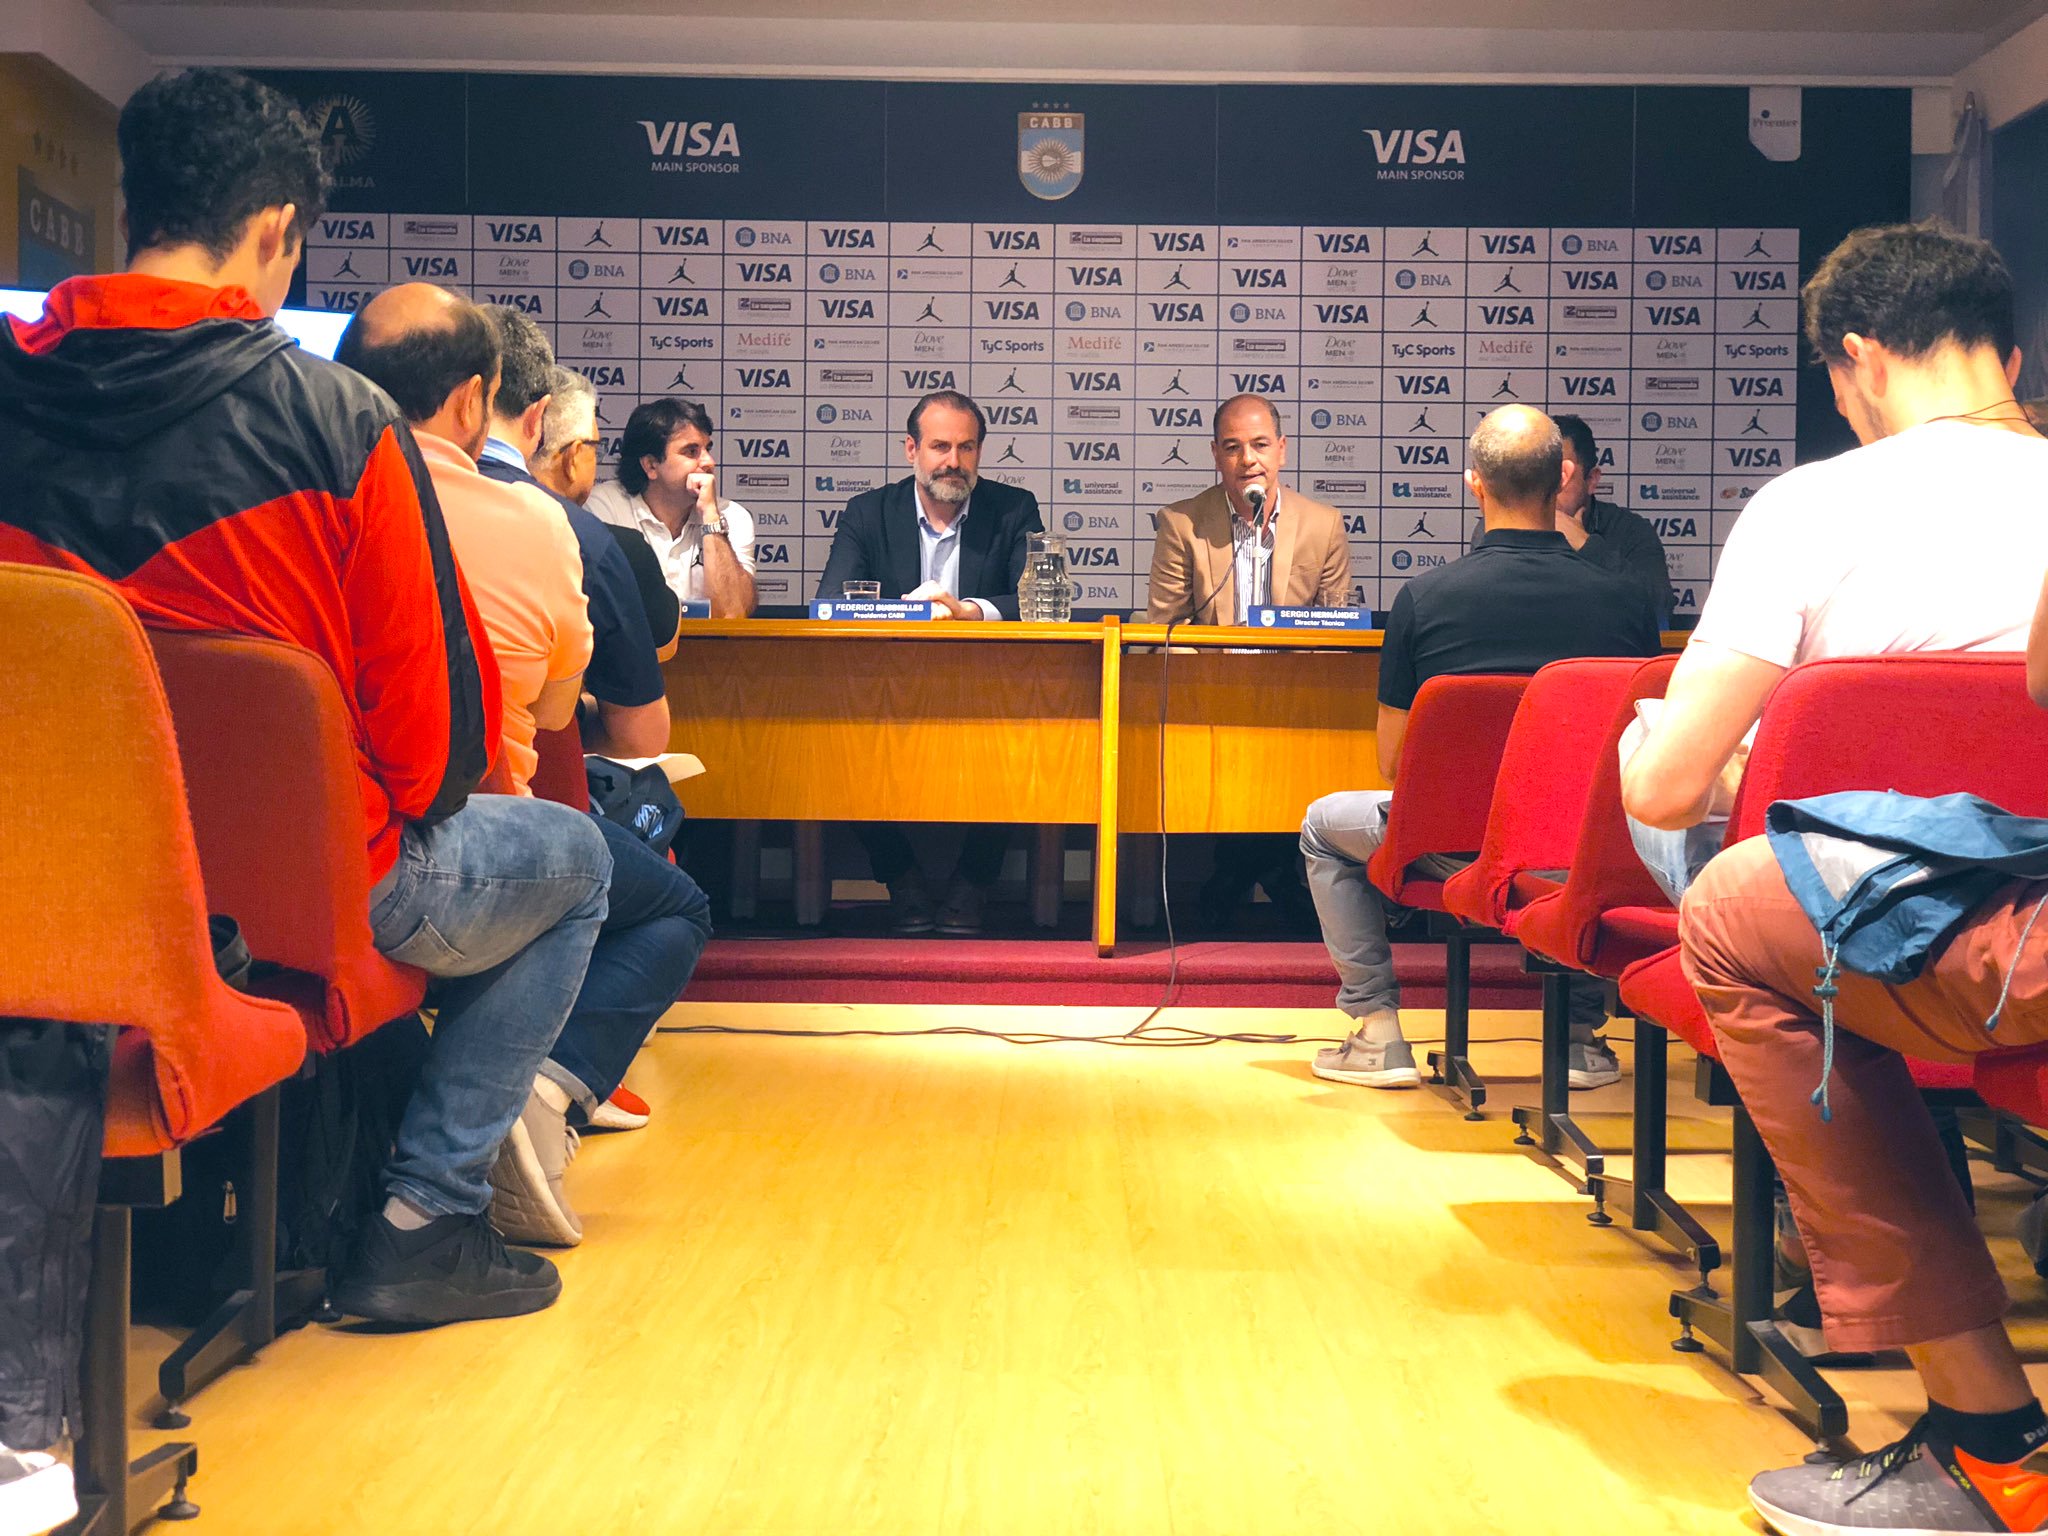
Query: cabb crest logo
(1049, 161)
(347, 129)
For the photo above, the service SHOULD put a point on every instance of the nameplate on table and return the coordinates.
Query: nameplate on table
(870, 609)
(1269, 616)
(696, 608)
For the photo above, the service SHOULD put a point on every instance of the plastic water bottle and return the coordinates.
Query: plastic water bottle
(1045, 594)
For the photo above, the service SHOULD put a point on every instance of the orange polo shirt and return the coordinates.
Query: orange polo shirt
(523, 569)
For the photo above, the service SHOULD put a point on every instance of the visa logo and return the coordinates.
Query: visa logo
(1012, 240)
(1355, 526)
(848, 309)
(764, 447)
(1423, 453)
(1676, 527)
(764, 272)
(1589, 282)
(525, 303)
(1507, 314)
(692, 141)
(513, 233)
(1417, 146)
(1096, 277)
(682, 306)
(1259, 383)
(1346, 244)
(924, 380)
(1012, 310)
(771, 554)
(1175, 313)
(1176, 416)
(1509, 245)
(1096, 382)
(603, 377)
(1675, 245)
(355, 229)
(1343, 314)
(1674, 314)
(1181, 241)
(764, 378)
(1758, 386)
(1094, 453)
(849, 239)
(682, 234)
(1584, 386)
(1423, 383)
(1097, 555)
(1012, 415)
(829, 518)
(1259, 277)
(1748, 280)
(1755, 458)
(340, 300)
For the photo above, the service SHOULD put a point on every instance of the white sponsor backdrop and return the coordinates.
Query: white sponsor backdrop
(1099, 351)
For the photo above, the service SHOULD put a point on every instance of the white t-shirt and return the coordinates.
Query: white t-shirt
(681, 560)
(1933, 540)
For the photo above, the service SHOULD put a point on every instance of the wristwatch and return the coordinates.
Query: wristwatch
(718, 526)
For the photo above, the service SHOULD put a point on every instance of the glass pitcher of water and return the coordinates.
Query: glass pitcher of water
(1045, 594)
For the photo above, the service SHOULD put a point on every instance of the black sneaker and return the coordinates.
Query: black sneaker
(452, 1270)
(910, 906)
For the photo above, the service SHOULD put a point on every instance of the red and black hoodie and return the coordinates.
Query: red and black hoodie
(171, 439)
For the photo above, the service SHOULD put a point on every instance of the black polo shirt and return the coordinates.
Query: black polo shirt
(1519, 601)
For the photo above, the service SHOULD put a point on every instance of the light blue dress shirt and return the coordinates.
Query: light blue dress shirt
(939, 553)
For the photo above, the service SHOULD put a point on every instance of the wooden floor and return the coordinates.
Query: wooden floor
(956, 1285)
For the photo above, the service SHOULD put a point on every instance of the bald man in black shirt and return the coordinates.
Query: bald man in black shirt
(1519, 601)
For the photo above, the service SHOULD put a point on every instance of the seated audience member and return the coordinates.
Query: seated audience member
(437, 356)
(623, 676)
(1929, 537)
(940, 529)
(565, 462)
(304, 515)
(667, 492)
(1898, 1260)
(1213, 558)
(1612, 537)
(1518, 602)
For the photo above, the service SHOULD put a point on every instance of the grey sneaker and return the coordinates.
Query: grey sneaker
(528, 1203)
(1917, 1486)
(1391, 1065)
(1593, 1065)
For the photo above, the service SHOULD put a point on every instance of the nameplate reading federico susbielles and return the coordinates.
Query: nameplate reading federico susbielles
(1265, 616)
(866, 608)
(696, 608)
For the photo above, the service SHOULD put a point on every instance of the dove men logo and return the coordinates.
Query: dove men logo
(1049, 152)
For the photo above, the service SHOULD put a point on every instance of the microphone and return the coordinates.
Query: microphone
(1256, 497)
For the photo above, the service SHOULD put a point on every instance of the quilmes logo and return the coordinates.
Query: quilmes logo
(671, 142)
(1049, 151)
(347, 129)
(1418, 154)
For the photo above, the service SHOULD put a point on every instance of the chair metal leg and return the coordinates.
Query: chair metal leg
(746, 869)
(1557, 1134)
(1452, 1066)
(1047, 874)
(1651, 1207)
(811, 891)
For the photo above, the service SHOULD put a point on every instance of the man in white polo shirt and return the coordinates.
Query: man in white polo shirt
(667, 491)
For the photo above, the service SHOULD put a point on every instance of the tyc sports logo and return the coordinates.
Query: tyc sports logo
(692, 146)
(1418, 154)
(1049, 151)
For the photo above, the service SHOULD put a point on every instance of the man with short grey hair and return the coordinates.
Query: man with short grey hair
(1519, 601)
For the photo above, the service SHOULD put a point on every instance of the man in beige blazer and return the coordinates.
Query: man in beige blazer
(1246, 540)
(1246, 532)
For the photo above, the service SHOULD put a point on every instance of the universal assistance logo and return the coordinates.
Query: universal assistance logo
(1049, 151)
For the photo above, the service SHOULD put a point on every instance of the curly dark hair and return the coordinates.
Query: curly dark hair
(647, 435)
(1912, 287)
(204, 151)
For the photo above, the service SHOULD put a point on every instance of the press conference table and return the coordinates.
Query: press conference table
(1034, 723)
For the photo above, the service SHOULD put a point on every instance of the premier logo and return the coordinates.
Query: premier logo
(691, 141)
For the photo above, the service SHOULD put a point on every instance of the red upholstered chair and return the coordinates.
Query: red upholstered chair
(271, 778)
(560, 776)
(1450, 757)
(1553, 751)
(1926, 724)
(104, 913)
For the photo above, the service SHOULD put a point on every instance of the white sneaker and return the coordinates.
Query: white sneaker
(528, 1204)
(1391, 1065)
(36, 1493)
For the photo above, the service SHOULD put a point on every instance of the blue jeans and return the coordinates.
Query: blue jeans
(1675, 859)
(1339, 836)
(501, 903)
(656, 928)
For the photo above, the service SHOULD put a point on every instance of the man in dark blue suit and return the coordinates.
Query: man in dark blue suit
(942, 532)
